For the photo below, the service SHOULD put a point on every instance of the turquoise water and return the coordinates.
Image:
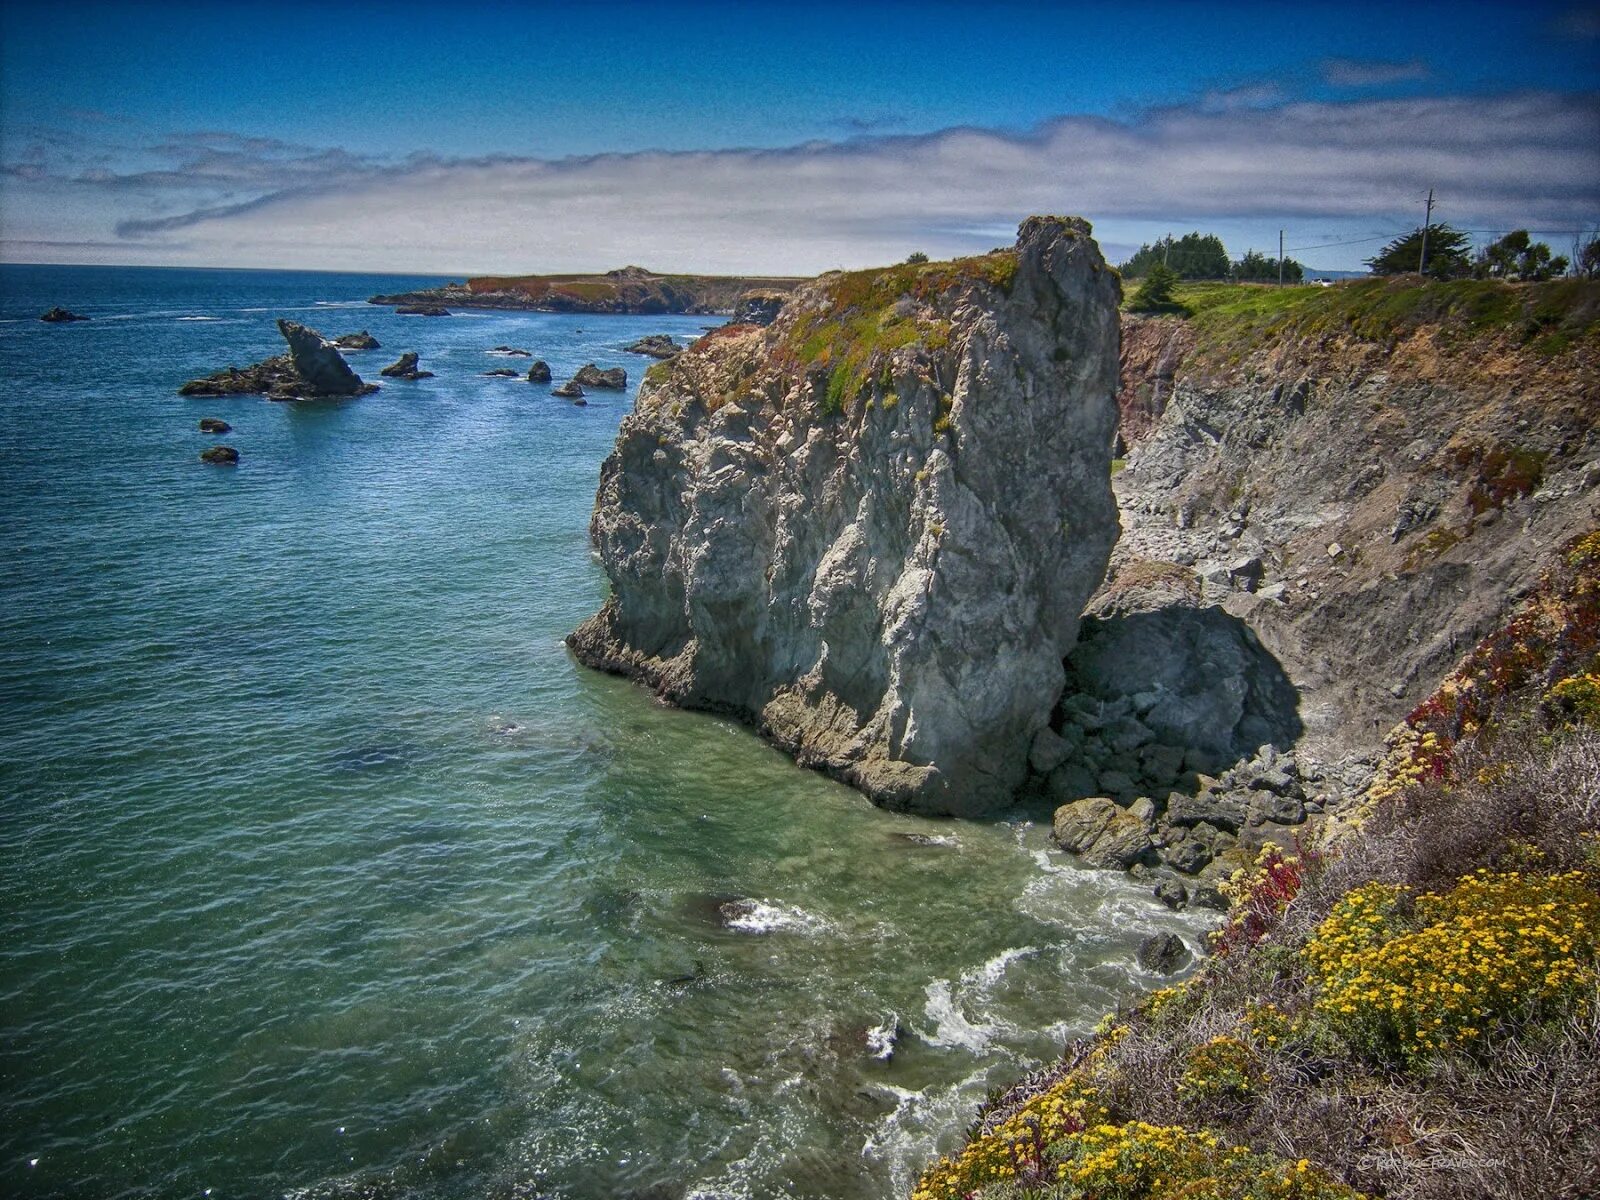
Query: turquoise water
(324, 870)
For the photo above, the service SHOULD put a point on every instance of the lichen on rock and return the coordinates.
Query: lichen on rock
(869, 528)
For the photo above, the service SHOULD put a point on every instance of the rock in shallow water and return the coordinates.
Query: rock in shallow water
(1163, 953)
(878, 557)
(221, 456)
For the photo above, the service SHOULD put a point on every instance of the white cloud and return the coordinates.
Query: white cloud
(1526, 159)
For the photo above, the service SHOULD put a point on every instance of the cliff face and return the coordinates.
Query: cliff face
(1369, 476)
(870, 528)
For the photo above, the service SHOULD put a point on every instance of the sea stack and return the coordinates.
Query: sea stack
(869, 529)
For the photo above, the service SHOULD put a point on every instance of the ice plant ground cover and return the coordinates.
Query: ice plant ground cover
(1411, 1011)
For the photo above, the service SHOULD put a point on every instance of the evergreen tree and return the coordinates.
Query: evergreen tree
(1256, 267)
(1155, 293)
(1447, 254)
(1193, 256)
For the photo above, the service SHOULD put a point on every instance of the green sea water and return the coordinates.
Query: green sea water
(326, 872)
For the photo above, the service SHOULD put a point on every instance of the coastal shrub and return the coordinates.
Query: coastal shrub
(1223, 1068)
(1259, 896)
(1403, 980)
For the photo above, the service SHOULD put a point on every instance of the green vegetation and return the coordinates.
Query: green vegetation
(1436, 969)
(1517, 256)
(1155, 294)
(1445, 250)
(1551, 318)
(870, 314)
(1193, 256)
(1256, 267)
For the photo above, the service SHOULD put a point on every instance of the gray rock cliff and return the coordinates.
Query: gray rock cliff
(870, 528)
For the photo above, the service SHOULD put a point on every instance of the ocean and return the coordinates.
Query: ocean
(326, 872)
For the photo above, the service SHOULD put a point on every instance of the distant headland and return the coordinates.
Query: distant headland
(626, 290)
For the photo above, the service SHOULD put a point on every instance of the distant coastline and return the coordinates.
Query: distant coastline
(625, 290)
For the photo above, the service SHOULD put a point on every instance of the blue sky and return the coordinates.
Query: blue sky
(465, 136)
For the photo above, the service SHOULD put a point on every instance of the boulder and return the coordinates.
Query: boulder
(1163, 953)
(57, 316)
(611, 379)
(1049, 751)
(568, 390)
(222, 456)
(1071, 781)
(656, 345)
(1101, 833)
(1184, 853)
(1223, 809)
(405, 367)
(539, 371)
(213, 425)
(1173, 894)
(319, 365)
(422, 310)
(357, 341)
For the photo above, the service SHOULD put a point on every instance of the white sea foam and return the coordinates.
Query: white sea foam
(950, 1025)
(881, 1038)
(762, 916)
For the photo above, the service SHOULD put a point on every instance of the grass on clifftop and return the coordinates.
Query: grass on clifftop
(1549, 317)
(1412, 1011)
(869, 314)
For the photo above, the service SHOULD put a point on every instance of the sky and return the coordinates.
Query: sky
(462, 136)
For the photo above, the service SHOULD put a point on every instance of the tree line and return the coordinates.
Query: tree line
(1440, 251)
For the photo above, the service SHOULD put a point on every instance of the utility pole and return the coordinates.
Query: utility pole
(1280, 258)
(1422, 255)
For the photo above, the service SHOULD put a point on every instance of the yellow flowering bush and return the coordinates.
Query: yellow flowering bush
(1222, 1069)
(1497, 946)
(1269, 1027)
(1015, 1151)
(1577, 699)
(1139, 1161)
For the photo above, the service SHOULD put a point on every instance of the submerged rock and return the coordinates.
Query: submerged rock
(591, 376)
(422, 310)
(58, 315)
(405, 367)
(222, 456)
(877, 556)
(501, 373)
(213, 425)
(539, 372)
(511, 352)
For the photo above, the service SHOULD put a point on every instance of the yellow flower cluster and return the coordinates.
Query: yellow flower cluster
(1495, 947)
(1138, 1161)
(1268, 1026)
(1223, 1068)
(1577, 697)
(1409, 756)
(1014, 1149)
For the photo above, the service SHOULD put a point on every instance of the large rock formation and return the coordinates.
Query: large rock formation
(871, 527)
(312, 370)
(318, 362)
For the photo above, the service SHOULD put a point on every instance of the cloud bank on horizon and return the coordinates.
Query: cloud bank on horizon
(1528, 159)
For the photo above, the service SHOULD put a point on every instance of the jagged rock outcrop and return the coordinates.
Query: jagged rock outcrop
(569, 391)
(759, 307)
(539, 371)
(318, 363)
(312, 370)
(870, 528)
(405, 367)
(613, 379)
(656, 345)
